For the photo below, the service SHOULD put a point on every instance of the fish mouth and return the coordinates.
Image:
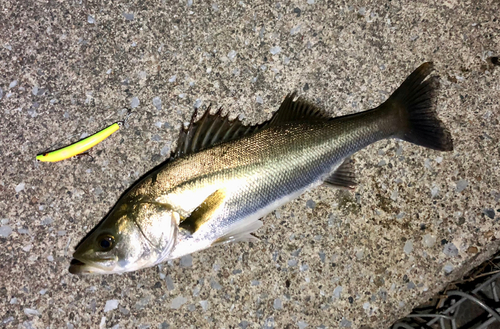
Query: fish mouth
(79, 267)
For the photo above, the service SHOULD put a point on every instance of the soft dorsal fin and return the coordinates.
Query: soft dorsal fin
(297, 110)
(343, 177)
(213, 129)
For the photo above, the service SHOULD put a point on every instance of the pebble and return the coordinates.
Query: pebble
(462, 185)
(128, 16)
(20, 187)
(322, 256)
(275, 50)
(123, 310)
(254, 282)
(163, 325)
(31, 311)
(111, 304)
(186, 261)
(204, 304)
(134, 102)
(450, 250)
(5, 231)
(434, 191)
(278, 304)
(429, 240)
(311, 204)
(103, 323)
(143, 302)
(259, 100)
(231, 55)
(165, 150)
(295, 30)
(90, 19)
(292, 262)
(172, 78)
(177, 302)
(344, 323)
(489, 212)
(170, 283)
(448, 268)
(13, 84)
(408, 248)
(302, 324)
(215, 285)
(337, 292)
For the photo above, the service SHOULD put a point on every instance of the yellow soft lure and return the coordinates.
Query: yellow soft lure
(80, 146)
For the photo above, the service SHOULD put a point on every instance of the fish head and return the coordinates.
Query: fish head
(133, 236)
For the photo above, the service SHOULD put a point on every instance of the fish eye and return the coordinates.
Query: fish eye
(105, 241)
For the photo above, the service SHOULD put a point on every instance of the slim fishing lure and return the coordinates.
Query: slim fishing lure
(80, 146)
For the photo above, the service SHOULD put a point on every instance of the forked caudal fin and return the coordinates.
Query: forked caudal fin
(414, 103)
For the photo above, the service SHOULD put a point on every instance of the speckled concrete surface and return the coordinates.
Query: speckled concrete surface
(330, 259)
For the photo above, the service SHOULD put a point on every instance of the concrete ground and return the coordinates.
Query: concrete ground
(417, 220)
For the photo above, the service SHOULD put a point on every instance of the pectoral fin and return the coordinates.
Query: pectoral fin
(204, 211)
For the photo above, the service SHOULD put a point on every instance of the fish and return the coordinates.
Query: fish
(224, 176)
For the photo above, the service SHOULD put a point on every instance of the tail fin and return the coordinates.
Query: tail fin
(414, 101)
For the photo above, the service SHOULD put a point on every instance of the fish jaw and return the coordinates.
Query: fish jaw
(80, 268)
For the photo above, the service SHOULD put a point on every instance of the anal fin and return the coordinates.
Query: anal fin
(343, 177)
(204, 211)
(240, 232)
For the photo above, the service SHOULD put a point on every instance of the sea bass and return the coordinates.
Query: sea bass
(225, 177)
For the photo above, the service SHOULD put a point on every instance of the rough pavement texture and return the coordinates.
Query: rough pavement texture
(418, 219)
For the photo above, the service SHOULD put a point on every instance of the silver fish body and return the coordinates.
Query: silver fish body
(226, 176)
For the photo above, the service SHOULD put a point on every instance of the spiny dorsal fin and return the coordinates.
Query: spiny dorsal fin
(343, 177)
(298, 110)
(213, 129)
